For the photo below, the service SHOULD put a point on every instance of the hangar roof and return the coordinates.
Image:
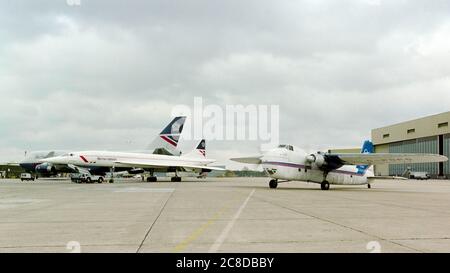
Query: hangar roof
(418, 128)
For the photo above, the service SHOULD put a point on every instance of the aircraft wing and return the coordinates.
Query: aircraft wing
(248, 160)
(387, 178)
(388, 158)
(160, 164)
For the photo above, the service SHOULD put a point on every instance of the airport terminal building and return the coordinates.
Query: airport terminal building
(425, 135)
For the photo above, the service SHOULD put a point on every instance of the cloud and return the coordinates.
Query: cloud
(106, 74)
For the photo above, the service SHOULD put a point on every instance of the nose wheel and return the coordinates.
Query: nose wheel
(369, 186)
(273, 184)
(325, 185)
(112, 170)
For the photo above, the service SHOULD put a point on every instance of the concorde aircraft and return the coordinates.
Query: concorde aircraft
(165, 143)
(288, 163)
(195, 161)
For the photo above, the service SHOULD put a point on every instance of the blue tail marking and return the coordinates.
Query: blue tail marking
(367, 148)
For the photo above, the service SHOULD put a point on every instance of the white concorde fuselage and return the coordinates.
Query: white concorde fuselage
(118, 159)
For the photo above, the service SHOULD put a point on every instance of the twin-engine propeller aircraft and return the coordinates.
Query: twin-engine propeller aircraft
(288, 163)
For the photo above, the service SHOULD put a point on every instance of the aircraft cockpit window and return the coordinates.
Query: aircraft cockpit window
(287, 147)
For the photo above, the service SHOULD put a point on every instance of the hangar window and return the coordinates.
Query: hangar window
(386, 135)
(410, 131)
(443, 124)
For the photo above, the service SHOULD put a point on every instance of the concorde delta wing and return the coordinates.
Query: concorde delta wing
(161, 164)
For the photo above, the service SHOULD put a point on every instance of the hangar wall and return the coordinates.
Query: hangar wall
(422, 145)
(425, 135)
(345, 150)
(447, 154)
(381, 169)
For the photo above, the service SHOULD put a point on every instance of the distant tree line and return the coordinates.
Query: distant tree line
(11, 171)
(244, 173)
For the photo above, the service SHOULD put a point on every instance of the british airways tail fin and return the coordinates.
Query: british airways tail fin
(167, 141)
(199, 152)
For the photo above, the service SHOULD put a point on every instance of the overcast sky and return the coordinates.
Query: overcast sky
(106, 74)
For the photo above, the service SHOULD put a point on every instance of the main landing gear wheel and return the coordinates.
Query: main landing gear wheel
(112, 169)
(325, 185)
(152, 179)
(369, 186)
(175, 179)
(273, 184)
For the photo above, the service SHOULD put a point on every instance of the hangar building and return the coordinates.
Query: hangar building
(424, 135)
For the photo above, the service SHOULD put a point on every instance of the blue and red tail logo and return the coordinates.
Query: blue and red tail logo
(201, 148)
(171, 139)
(171, 134)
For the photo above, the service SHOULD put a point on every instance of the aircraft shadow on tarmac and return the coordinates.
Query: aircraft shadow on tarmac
(337, 188)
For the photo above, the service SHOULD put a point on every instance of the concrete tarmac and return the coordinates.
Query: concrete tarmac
(223, 215)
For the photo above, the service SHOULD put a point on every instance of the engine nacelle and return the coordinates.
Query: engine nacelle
(316, 159)
(45, 168)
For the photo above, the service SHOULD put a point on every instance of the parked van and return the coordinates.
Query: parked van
(26, 177)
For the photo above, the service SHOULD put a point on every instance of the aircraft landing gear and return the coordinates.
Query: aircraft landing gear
(152, 179)
(369, 186)
(111, 180)
(325, 185)
(273, 184)
(175, 179)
